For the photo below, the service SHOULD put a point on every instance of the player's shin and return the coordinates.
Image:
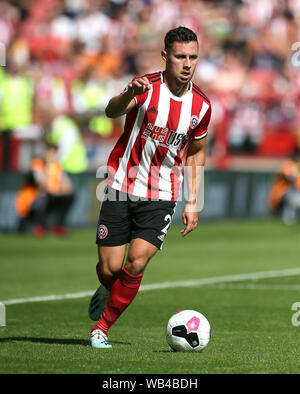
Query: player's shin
(122, 294)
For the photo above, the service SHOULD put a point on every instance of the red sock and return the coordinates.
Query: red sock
(122, 294)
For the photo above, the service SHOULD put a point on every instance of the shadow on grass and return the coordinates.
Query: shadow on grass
(57, 341)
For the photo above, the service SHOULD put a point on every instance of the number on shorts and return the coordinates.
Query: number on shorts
(168, 219)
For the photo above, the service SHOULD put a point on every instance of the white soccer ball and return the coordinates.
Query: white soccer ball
(188, 330)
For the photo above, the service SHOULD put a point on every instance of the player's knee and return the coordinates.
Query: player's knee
(136, 265)
(105, 269)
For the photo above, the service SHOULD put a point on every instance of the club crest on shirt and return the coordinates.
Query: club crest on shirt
(194, 121)
(102, 231)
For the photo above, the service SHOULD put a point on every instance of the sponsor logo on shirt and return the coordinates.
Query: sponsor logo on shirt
(164, 136)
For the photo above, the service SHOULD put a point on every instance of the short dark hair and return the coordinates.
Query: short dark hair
(179, 34)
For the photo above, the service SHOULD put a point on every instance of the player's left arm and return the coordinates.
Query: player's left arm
(194, 165)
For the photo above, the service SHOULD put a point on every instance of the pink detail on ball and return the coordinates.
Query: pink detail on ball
(193, 324)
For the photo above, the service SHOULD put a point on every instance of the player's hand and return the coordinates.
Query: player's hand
(139, 86)
(190, 219)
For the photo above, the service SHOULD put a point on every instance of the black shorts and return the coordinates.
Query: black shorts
(124, 217)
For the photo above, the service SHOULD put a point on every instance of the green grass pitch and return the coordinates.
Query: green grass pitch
(251, 319)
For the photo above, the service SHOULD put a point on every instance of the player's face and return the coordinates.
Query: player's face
(181, 61)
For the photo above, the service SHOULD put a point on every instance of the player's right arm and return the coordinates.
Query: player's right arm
(124, 102)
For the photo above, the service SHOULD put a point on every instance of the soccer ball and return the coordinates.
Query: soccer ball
(188, 330)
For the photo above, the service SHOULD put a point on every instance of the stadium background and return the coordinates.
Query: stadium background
(69, 57)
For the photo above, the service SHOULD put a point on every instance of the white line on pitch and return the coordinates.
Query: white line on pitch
(255, 286)
(168, 285)
(54, 297)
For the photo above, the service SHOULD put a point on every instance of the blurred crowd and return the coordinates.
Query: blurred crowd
(65, 59)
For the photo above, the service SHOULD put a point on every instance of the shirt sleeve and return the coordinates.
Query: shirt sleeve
(200, 130)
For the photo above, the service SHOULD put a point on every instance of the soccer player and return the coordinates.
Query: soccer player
(167, 117)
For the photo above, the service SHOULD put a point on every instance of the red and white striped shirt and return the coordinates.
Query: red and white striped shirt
(148, 159)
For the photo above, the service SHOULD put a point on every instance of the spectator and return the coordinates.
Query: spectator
(24, 201)
(16, 104)
(245, 58)
(284, 198)
(46, 196)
